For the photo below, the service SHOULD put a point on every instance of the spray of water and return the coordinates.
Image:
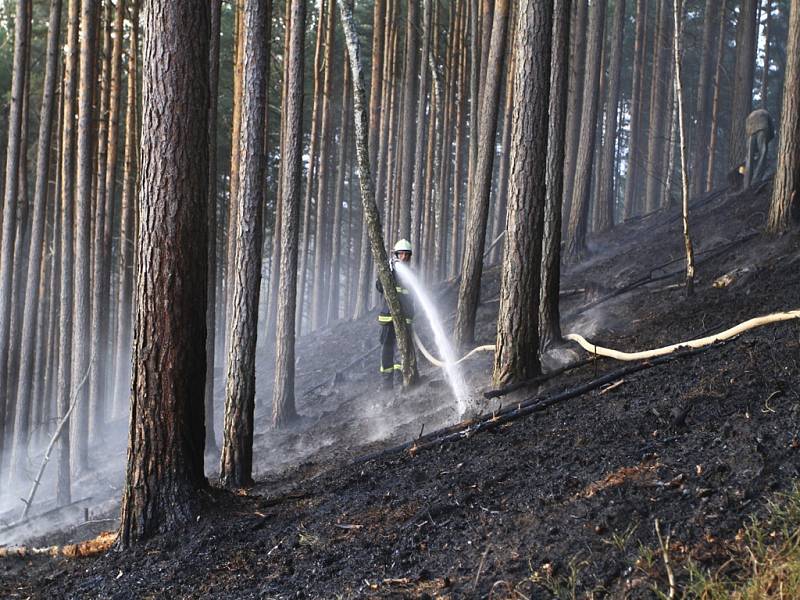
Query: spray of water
(455, 378)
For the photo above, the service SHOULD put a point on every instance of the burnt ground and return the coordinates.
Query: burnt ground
(562, 500)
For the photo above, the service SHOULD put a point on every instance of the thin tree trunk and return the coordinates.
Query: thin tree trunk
(422, 95)
(787, 176)
(63, 491)
(605, 199)
(517, 347)
(711, 15)
(314, 156)
(283, 405)
(501, 196)
(458, 158)
(36, 248)
(9, 229)
(579, 208)
(122, 377)
(211, 212)
(469, 291)
(336, 250)
(765, 72)
(236, 462)
(677, 14)
(712, 144)
(743, 75)
(409, 123)
(321, 249)
(577, 75)
(549, 314)
(635, 161)
(659, 109)
(371, 216)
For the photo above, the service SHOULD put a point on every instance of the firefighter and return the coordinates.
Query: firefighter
(402, 253)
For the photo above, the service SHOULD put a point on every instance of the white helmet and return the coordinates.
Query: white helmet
(402, 246)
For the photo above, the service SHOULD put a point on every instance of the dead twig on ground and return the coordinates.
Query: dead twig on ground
(664, 544)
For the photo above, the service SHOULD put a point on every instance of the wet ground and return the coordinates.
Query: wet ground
(563, 500)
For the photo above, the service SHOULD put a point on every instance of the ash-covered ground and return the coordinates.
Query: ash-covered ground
(562, 500)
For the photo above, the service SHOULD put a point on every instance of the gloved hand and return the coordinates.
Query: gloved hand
(392, 260)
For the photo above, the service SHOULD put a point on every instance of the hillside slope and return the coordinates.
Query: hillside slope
(533, 507)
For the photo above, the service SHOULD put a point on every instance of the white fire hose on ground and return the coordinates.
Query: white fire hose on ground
(631, 356)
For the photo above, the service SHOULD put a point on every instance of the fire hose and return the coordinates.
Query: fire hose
(644, 354)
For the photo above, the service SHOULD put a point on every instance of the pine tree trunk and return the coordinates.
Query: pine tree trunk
(677, 34)
(236, 462)
(605, 199)
(416, 202)
(211, 212)
(787, 176)
(659, 109)
(635, 160)
(579, 208)
(335, 288)
(18, 77)
(711, 16)
(31, 313)
(501, 196)
(321, 248)
(83, 206)
(314, 156)
(122, 378)
(165, 452)
(712, 144)
(517, 347)
(480, 188)
(410, 98)
(456, 212)
(65, 382)
(549, 313)
(283, 405)
(743, 75)
(765, 71)
(577, 75)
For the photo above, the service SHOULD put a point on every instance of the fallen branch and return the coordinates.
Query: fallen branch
(53, 440)
(92, 547)
(664, 544)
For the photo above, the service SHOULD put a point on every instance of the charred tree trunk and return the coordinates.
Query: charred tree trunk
(517, 350)
(579, 208)
(549, 313)
(469, 291)
(787, 177)
(418, 192)
(236, 462)
(283, 406)
(165, 451)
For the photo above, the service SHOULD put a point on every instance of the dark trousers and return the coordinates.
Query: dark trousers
(388, 366)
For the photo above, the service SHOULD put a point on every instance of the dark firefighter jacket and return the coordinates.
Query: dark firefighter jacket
(406, 302)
